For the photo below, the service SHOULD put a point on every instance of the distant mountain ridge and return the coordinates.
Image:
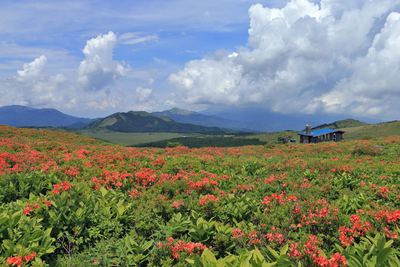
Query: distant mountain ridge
(192, 117)
(22, 116)
(239, 119)
(141, 121)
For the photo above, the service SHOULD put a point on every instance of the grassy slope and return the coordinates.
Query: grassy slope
(342, 124)
(372, 131)
(272, 138)
(206, 141)
(131, 139)
(352, 133)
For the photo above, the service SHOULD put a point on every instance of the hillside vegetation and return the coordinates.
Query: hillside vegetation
(70, 200)
(348, 123)
(132, 139)
(354, 130)
(372, 131)
(145, 122)
(204, 141)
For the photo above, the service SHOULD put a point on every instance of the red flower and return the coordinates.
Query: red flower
(276, 238)
(47, 202)
(15, 261)
(30, 256)
(254, 240)
(359, 228)
(177, 204)
(294, 251)
(73, 171)
(207, 199)
(384, 191)
(20, 260)
(390, 234)
(179, 246)
(204, 184)
(388, 216)
(61, 187)
(134, 193)
(27, 211)
(237, 233)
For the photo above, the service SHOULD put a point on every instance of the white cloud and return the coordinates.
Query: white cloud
(143, 94)
(32, 86)
(373, 86)
(35, 85)
(98, 69)
(222, 79)
(297, 54)
(133, 38)
(33, 69)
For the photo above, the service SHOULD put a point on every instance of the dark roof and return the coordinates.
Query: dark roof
(321, 132)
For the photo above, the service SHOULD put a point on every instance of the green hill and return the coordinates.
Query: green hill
(140, 121)
(348, 123)
(353, 130)
(372, 130)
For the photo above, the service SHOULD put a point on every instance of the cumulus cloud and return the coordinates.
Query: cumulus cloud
(334, 56)
(32, 86)
(98, 69)
(33, 69)
(41, 89)
(373, 86)
(143, 94)
(85, 87)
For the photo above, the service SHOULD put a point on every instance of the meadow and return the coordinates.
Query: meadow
(132, 139)
(70, 200)
(373, 130)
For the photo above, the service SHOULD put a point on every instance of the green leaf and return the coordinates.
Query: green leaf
(208, 256)
(103, 191)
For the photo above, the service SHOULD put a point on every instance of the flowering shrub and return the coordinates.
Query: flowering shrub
(179, 246)
(208, 199)
(21, 260)
(68, 200)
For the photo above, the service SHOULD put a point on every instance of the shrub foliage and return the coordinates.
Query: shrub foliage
(68, 200)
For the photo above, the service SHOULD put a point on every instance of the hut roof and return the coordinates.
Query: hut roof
(315, 133)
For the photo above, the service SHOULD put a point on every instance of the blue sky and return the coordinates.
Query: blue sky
(182, 34)
(288, 56)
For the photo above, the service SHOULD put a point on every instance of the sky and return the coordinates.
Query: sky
(92, 58)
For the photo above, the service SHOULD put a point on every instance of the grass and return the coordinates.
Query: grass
(135, 139)
(132, 139)
(372, 131)
(272, 138)
(368, 131)
(205, 141)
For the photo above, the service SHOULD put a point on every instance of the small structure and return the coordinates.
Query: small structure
(286, 139)
(322, 135)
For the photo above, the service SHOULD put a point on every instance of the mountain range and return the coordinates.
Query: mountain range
(247, 119)
(22, 116)
(192, 117)
(141, 121)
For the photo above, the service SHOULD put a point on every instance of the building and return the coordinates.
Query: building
(322, 135)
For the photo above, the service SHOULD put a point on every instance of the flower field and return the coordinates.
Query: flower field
(68, 200)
